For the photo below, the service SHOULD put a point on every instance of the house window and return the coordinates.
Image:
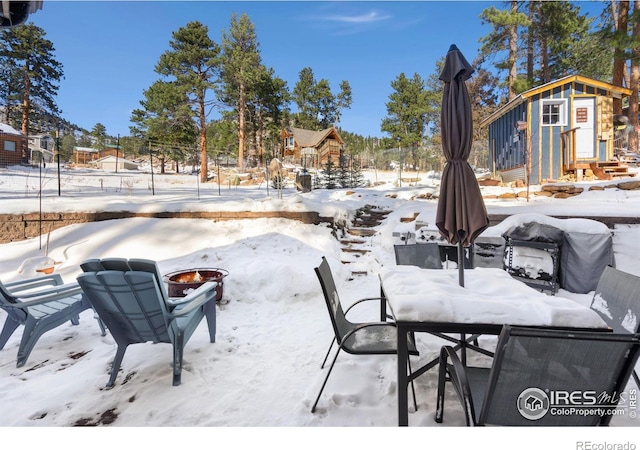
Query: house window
(554, 112)
(291, 142)
(10, 146)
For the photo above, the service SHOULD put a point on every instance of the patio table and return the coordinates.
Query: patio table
(431, 301)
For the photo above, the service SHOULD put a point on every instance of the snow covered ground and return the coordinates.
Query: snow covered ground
(264, 370)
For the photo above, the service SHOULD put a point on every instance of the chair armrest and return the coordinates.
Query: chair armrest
(195, 299)
(31, 283)
(47, 295)
(365, 325)
(458, 376)
(361, 301)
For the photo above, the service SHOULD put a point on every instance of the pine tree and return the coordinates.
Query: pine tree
(329, 175)
(357, 177)
(241, 69)
(30, 74)
(192, 66)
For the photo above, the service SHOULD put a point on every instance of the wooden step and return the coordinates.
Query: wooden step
(361, 232)
(359, 251)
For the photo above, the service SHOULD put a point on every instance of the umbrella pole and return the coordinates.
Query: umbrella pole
(460, 264)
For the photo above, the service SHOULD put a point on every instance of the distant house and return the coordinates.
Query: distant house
(109, 164)
(41, 145)
(560, 128)
(84, 155)
(311, 148)
(13, 146)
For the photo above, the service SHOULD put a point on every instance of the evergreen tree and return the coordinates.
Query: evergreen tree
(30, 74)
(407, 111)
(344, 174)
(192, 66)
(329, 175)
(267, 109)
(166, 118)
(357, 177)
(99, 134)
(504, 37)
(318, 107)
(241, 66)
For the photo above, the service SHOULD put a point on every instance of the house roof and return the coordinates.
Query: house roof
(310, 138)
(617, 91)
(113, 158)
(85, 149)
(8, 129)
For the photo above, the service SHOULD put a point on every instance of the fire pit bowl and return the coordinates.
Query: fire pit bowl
(181, 283)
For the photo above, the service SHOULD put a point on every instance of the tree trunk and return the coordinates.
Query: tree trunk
(530, 47)
(241, 125)
(204, 159)
(634, 79)
(513, 52)
(619, 59)
(26, 100)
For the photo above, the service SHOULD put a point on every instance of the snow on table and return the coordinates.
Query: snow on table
(490, 296)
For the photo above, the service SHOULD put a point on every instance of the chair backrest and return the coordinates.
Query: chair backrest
(130, 303)
(426, 256)
(338, 320)
(122, 264)
(617, 300)
(450, 253)
(537, 375)
(6, 298)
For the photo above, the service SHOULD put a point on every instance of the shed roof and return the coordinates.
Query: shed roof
(617, 91)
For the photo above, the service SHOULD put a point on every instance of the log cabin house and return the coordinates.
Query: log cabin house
(311, 148)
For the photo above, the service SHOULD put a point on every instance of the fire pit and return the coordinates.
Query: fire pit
(181, 283)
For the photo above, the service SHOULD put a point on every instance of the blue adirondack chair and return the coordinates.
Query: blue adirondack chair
(135, 309)
(40, 304)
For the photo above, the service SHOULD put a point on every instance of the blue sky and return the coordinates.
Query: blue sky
(109, 48)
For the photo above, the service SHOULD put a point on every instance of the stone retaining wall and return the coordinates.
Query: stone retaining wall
(18, 227)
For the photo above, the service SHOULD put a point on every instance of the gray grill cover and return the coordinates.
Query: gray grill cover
(583, 256)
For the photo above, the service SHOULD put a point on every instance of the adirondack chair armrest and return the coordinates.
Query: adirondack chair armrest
(56, 293)
(32, 283)
(196, 299)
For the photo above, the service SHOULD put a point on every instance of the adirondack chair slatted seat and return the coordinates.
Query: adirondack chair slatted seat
(531, 364)
(40, 304)
(135, 308)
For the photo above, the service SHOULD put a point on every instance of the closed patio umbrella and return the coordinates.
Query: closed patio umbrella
(461, 215)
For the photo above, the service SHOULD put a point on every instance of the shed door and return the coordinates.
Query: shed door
(583, 118)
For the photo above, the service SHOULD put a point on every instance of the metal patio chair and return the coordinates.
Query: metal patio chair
(363, 338)
(425, 256)
(532, 369)
(617, 301)
(40, 304)
(136, 309)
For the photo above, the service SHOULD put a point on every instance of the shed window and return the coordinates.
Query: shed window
(554, 112)
(10, 146)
